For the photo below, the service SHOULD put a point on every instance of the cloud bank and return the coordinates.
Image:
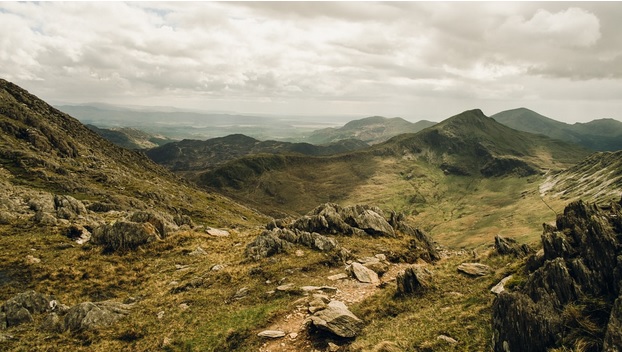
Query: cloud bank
(424, 60)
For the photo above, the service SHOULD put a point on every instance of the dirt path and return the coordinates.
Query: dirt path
(349, 291)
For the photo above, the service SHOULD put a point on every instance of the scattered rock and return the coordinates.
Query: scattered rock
(68, 207)
(217, 267)
(506, 245)
(52, 323)
(475, 269)
(184, 306)
(340, 276)
(363, 274)
(241, 293)
(447, 339)
(500, 287)
(413, 279)
(273, 334)
(300, 253)
(293, 335)
(32, 259)
(217, 232)
(318, 302)
(198, 252)
(338, 319)
(266, 245)
(19, 309)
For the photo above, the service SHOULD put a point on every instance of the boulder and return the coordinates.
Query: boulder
(413, 279)
(161, 224)
(613, 335)
(123, 235)
(52, 323)
(506, 245)
(19, 309)
(90, 316)
(363, 274)
(373, 224)
(69, 208)
(266, 245)
(217, 232)
(475, 269)
(337, 319)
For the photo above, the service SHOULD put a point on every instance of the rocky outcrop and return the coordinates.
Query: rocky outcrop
(90, 316)
(412, 280)
(316, 230)
(19, 309)
(577, 285)
(68, 207)
(124, 235)
(506, 245)
(337, 319)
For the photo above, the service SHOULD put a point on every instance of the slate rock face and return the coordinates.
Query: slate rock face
(506, 245)
(581, 264)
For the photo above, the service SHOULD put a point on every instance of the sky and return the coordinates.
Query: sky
(415, 60)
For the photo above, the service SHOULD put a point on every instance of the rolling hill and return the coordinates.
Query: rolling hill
(130, 138)
(193, 155)
(371, 130)
(597, 135)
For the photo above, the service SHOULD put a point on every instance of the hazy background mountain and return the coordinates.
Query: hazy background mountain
(599, 135)
(372, 130)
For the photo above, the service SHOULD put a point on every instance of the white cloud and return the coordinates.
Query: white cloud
(370, 55)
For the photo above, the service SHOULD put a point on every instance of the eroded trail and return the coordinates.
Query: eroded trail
(348, 291)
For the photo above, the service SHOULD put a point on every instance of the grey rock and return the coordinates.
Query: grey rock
(163, 225)
(338, 319)
(506, 245)
(273, 334)
(91, 316)
(19, 309)
(52, 323)
(124, 235)
(500, 287)
(266, 245)
(340, 276)
(198, 252)
(613, 335)
(217, 232)
(45, 219)
(241, 293)
(413, 279)
(69, 208)
(447, 339)
(363, 274)
(475, 269)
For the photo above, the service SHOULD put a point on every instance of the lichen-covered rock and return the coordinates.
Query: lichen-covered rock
(266, 245)
(581, 263)
(475, 269)
(123, 235)
(69, 208)
(19, 309)
(90, 316)
(158, 220)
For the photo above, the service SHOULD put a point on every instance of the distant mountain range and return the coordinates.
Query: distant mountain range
(372, 130)
(192, 155)
(598, 135)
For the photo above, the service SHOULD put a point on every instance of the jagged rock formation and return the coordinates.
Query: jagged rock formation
(572, 299)
(506, 245)
(413, 279)
(315, 231)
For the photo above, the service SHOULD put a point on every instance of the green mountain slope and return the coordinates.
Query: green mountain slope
(598, 135)
(193, 155)
(130, 138)
(372, 130)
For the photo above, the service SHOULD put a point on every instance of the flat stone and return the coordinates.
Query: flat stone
(364, 274)
(338, 277)
(217, 232)
(337, 319)
(447, 339)
(273, 334)
(475, 269)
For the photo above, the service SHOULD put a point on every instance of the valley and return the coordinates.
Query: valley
(206, 245)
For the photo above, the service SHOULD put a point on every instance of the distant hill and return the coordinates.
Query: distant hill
(192, 155)
(372, 130)
(597, 135)
(469, 145)
(130, 138)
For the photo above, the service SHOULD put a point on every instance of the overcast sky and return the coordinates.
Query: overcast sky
(416, 60)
